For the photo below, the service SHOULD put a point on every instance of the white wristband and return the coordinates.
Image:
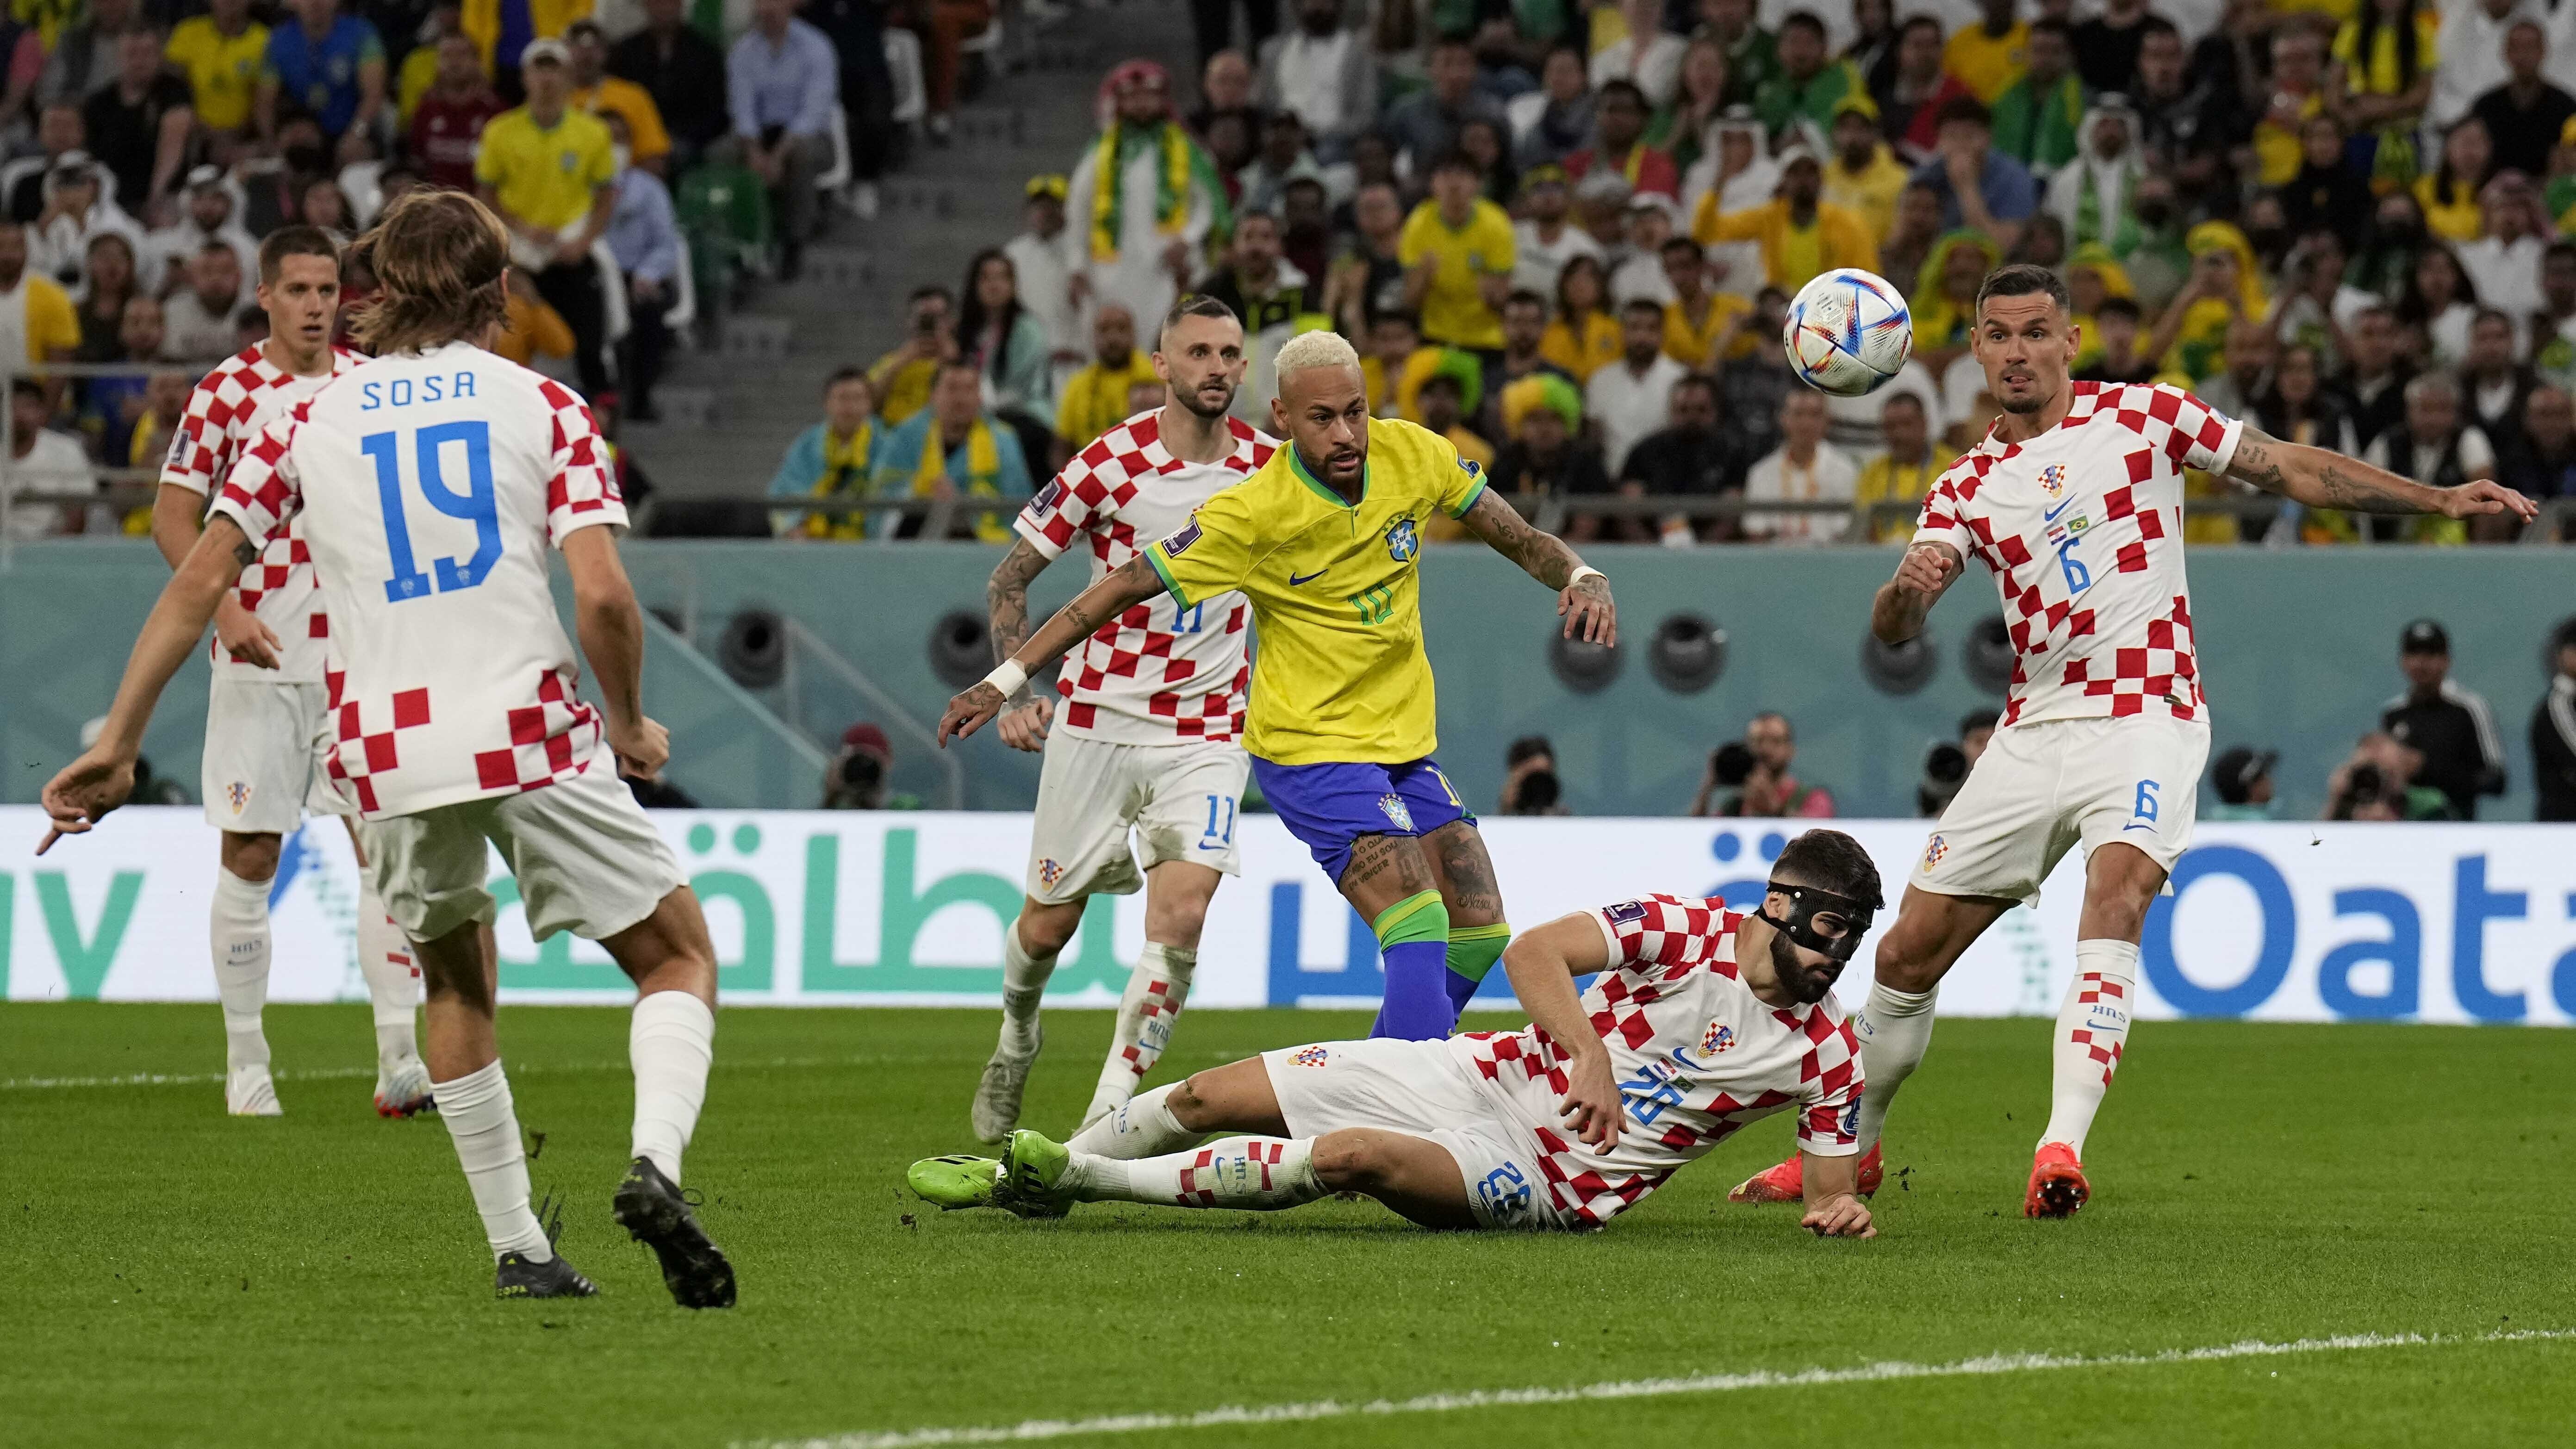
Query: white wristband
(1585, 571)
(1007, 677)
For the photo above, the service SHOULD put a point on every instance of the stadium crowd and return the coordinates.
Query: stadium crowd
(1565, 237)
(146, 146)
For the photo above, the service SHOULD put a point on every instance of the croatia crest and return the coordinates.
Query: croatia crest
(1933, 852)
(1717, 1038)
(1391, 806)
(1313, 1056)
(239, 794)
(2052, 480)
(1401, 541)
(1049, 872)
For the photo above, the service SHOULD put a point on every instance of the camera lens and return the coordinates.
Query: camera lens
(1733, 764)
(1539, 791)
(1944, 764)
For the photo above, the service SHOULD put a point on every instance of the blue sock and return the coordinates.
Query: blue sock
(1417, 1006)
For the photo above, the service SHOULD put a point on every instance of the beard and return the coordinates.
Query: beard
(1196, 403)
(1808, 984)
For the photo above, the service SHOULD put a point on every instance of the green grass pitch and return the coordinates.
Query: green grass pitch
(173, 1276)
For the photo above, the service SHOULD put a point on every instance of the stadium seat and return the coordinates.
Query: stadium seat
(725, 210)
(903, 63)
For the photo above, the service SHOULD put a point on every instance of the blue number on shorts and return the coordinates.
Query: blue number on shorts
(1189, 620)
(475, 505)
(2078, 577)
(1218, 835)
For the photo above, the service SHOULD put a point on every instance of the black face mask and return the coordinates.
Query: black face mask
(1845, 920)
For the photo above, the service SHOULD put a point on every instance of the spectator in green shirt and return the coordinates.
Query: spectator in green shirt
(2039, 117)
(1809, 84)
(1752, 58)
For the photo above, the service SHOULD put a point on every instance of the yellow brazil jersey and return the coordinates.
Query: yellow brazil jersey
(1987, 65)
(1341, 676)
(545, 175)
(1691, 345)
(222, 71)
(1095, 399)
(1454, 311)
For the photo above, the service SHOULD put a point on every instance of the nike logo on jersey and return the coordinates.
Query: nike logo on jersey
(2049, 515)
(1295, 578)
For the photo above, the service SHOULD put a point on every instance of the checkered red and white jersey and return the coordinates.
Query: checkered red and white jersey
(1159, 674)
(1697, 1055)
(430, 486)
(228, 408)
(2082, 528)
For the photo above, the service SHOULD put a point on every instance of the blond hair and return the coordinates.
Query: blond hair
(1315, 349)
(440, 260)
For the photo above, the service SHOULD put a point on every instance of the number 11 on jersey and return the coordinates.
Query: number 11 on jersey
(475, 504)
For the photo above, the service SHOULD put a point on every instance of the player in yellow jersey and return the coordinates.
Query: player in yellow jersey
(1325, 540)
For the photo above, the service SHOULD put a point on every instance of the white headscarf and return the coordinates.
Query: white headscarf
(2109, 179)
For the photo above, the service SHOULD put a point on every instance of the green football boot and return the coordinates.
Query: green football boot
(1033, 1173)
(951, 1183)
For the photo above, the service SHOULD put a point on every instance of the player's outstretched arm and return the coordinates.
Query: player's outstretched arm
(1542, 964)
(1925, 573)
(1834, 1208)
(611, 626)
(103, 776)
(1582, 594)
(2321, 479)
(1006, 599)
(1126, 586)
(177, 519)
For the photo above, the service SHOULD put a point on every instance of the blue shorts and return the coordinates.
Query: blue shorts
(1329, 806)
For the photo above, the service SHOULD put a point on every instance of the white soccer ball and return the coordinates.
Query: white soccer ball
(1848, 332)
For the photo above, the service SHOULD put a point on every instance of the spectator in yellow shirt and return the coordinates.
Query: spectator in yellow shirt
(1584, 335)
(1988, 57)
(902, 377)
(1096, 398)
(41, 311)
(596, 91)
(551, 173)
(1863, 178)
(1905, 472)
(221, 54)
(1697, 322)
(532, 329)
(1801, 236)
(1458, 253)
(2388, 52)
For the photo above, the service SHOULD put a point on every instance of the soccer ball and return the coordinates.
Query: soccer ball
(1848, 332)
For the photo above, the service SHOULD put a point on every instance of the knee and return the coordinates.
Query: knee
(1904, 964)
(1188, 1104)
(1346, 1162)
(1044, 929)
(251, 857)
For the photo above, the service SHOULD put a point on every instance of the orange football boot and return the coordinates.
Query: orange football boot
(1785, 1183)
(2057, 1185)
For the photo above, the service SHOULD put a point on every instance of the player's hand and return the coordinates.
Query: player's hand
(1025, 728)
(83, 793)
(642, 747)
(2472, 499)
(1586, 606)
(1840, 1216)
(968, 711)
(1927, 570)
(1592, 1106)
(243, 636)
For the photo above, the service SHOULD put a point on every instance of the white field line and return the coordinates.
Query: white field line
(1992, 1364)
(517, 1069)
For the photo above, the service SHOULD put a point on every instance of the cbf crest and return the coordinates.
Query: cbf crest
(1402, 542)
(2052, 481)
(1391, 805)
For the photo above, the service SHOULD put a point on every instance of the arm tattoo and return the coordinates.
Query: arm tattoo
(1542, 555)
(2355, 489)
(245, 553)
(1006, 595)
(2258, 462)
(2276, 467)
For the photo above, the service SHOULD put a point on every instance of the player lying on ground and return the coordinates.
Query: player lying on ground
(1324, 541)
(1699, 1022)
(458, 727)
(2074, 502)
(1154, 702)
(264, 707)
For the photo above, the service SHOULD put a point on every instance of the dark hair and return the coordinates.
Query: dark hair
(2561, 247)
(1528, 747)
(1830, 861)
(847, 374)
(1679, 243)
(1448, 380)
(972, 318)
(1911, 399)
(1397, 314)
(2120, 307)
(2490, 314)
(1701, 381)
(2412, 308)
(440, 257)
(1805, 19)
(1194, 304)
(1256, 214)
(1524, 297)
(921, 294)
(1963, 108)
(1628, 88)
(1455, 159)
(1914, 22)
(2021, 279)
(2051, 25)
(2446, 182)
(2366, 43)
(1981, 718)
(291, 241)
(1564, 312)
(2155, 24)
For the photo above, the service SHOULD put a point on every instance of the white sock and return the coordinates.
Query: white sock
(240, 941)
(1155, 992)
(671, 1041)
(1894, 1028)
(1024, 979)
(485, 1128)
(2092, 1028)
(1144, 1127)
(1258, 1173)
(393, 980)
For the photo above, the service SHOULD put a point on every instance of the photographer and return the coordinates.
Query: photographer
(2378, 783)
(857, 777)
(1947, 763)
(1752, 778)
(2242, 780)
(1530, 784)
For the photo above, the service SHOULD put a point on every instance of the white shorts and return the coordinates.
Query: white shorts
(1417, 1088)
(1180, 800)
(261, 772)
(2041, 788)
(586, 856)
